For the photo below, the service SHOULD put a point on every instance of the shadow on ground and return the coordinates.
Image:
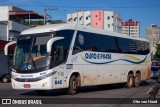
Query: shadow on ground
(60, 92)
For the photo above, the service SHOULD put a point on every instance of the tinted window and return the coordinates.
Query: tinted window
(94, 42)
(154, 69)
(130, 46)
(127, 46)
(60, 48)
(104, 43)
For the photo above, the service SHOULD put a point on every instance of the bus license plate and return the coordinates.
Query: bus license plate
(27, 86)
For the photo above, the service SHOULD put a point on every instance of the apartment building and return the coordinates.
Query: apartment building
(153, 35)
(131, 28)
(107, 20)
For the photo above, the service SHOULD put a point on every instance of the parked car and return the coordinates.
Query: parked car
(155, 73)
(5, 78)
(5, 68)
(156, 63)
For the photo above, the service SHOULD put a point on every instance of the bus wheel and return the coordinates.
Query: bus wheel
(72, 89)
(4, 79)
(129, 83)
(40, 92)
(137, 80)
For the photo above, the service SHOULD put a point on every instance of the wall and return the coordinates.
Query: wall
(87, 18)
(3, 31)
(4, 13)
(108, 20)
(97, 19)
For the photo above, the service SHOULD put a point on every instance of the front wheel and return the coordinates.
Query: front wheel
(72, 89)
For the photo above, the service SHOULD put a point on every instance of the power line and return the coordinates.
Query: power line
(90, 7)
(108, 6)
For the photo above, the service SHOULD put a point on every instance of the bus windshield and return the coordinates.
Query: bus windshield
(31, 51)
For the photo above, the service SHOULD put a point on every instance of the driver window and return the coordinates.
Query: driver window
(58, 52)
(60, 48)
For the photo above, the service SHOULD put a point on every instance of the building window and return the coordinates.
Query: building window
(108, 18)
(96, 23)
(69, 20)
(86, 18)
(133, 27)
(112, 16)
(96, 16)
(75, 18)
(80, 18)
(108, 25)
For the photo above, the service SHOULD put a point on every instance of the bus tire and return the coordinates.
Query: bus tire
(137, 80)
(129, 83)
(40, 92)
(72, 89)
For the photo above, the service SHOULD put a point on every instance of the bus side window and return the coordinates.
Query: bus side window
(77, 46)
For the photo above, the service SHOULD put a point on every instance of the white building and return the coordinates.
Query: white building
(112, 21)
(131, 28)
(100, 19)
(13, 21)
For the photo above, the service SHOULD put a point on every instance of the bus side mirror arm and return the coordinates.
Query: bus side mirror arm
(50, 42)
(7, 45)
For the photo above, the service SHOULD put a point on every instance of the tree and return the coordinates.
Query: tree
(157, 54)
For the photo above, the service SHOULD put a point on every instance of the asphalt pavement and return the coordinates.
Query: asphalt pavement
(106, 91)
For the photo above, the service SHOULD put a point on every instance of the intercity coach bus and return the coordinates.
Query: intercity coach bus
(71, 56)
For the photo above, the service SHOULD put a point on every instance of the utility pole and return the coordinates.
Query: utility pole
(45, 13)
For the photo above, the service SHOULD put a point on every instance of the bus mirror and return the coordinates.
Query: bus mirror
(50, 42)
(7, 45)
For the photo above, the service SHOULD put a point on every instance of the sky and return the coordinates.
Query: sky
(147, 12)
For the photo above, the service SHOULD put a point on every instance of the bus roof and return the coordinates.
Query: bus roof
(57, 27)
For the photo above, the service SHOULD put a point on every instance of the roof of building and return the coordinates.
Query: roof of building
(26, 14)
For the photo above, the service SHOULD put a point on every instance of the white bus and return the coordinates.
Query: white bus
(71, 56)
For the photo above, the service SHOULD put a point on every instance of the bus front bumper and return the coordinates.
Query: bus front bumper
(38, 85)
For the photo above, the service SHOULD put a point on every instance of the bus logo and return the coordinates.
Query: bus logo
(25, 67)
